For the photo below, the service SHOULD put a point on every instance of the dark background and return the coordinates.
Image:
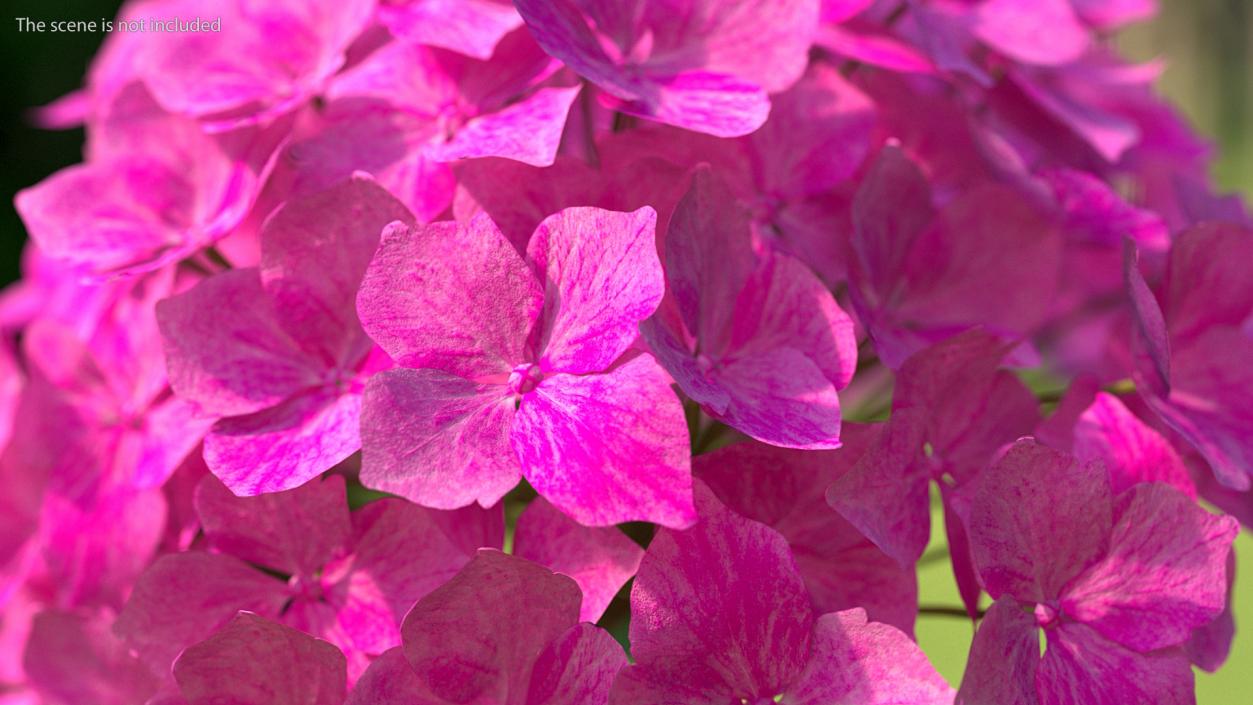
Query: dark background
(38, 68)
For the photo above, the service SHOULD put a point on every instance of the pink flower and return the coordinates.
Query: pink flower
(503, 630)
(719, 613)
(470, 27)
(276, 351)
(696, 64)
(1116, 582)
(756, 339)
(523, 367)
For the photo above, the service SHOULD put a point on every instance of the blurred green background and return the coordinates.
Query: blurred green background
(1209, 45)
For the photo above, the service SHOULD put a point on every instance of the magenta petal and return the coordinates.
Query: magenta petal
(471, 27)
(314, 251)
(1132, 451)
(785, 489)
(601, 560)
(436, 439)
(712, 103)
(390, 680)
(602, 277)
(71, 658)
(1004, 658)
(183, 597)
(254, 660)
(292, 532)
(868, 663)
(467, 315)
(608, 448)
(1080, 666)
(780, 397)
(1038, 518)
(577, 668)
(476, 638)
(1164, 575)
(718, 609)
(225, 350)
(1013, 27)
(528, 131)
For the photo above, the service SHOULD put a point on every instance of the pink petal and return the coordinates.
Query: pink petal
(1013, 27)
(467, 315)
(780, 397)
(608, 448)
(1164, 574)
(786, 490)
(1109, 14)
(1131, 450)
(1038, 519)
(577, 668)
(390, 680)
(1080, 666)
(293, 532)
(252, 659)
(184, 597)
(601, 560)
(711, 103)
(225, 349)
(72, 658)
(284, 446)
(602, 277)
(314, 251)
(478, 636)
(871, 663)
(719, 610)
(1004, 658)
(471, 27)
(438, 440)
(528, 131)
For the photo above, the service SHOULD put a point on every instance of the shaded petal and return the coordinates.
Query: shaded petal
(577, 668)
(467, 315)
(293, 532)
(712, 103)
(780, 397)
(719, 610)
(254, 660)
(1132, 451)
(1004, 658)
(225, 349)
(1080, 666)
(436, 439)
(601, 278)
(1164, 575)
(471, 27)
(478, 636)
(72, 658)
(608, 448)
(852, 660)
(601, 560)
(390, 680)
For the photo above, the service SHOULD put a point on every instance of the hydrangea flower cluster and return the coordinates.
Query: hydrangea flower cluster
(611, 352)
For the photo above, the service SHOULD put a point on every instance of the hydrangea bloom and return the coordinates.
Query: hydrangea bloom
(515, 366)
(378, 348)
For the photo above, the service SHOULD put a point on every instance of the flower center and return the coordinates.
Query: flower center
(524, 378)
(1045, 615)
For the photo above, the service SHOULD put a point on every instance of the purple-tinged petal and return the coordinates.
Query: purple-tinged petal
(293, 532)
(1038, 519)
(1132, 451)
(602, 277)
(184, 597)
(254, 660)
(885, 495)
(467, 315)
(608, 448)
(711, 103)
(284, 446)
(1004, 658)
(852, 660)
(477, 637)
(1210, 645)
(436, 439)
(601, 560)
(225, 349)
(1094, 210)
(314, 251)
(1013, 28)
(577, 668)
(1110, 14)
(785, 489)
(528, 131)
(718, 609)
(1164, 574)
(1080, 666)
(780, 397)
(73, 658)
(470, 27)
